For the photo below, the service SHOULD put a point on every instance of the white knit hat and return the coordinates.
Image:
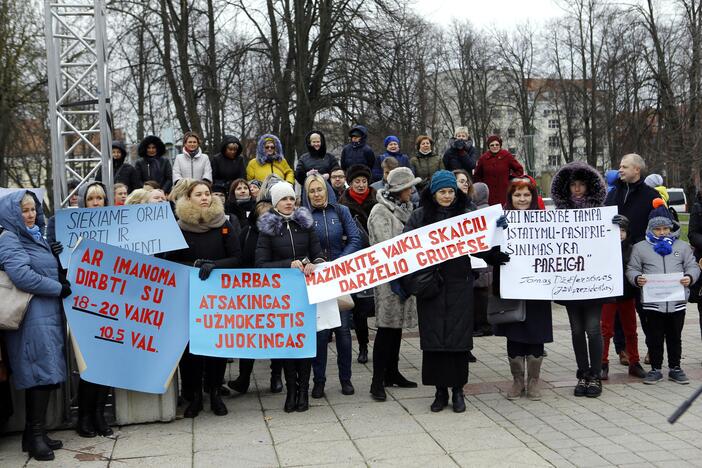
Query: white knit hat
(281, 190)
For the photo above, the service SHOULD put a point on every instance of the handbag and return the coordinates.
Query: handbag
(424, 284)
(501, 310)
(14, 303)
(345, 302)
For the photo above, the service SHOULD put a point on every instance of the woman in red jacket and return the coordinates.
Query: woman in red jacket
(495, 168)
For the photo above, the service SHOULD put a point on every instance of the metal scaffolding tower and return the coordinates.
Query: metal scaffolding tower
(79, 95)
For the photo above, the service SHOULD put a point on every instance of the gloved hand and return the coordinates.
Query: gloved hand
(501, 258)
(396, 288)
(206, 267)
(619, 219)
(502, 222)
(65, 289)
(493, 257)
(56, 247)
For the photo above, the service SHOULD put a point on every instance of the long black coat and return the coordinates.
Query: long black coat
(280, 241)
(446, 320)
(225, 170)
(635, 202)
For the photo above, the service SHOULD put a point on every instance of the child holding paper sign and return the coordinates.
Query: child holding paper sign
(660, 253)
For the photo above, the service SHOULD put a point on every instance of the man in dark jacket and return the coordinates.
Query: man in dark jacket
(228, 165)
(632, 196)
(122, 171)
(316, 158)
(152, 165)
(357, 152)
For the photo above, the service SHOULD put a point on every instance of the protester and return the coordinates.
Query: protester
(394, 309)
(211, 245)
(392, 150)
(239, 201)
(157, 196)
(122, 172)
(495, 168)
(387, 165)
(120, 193)
(139, 197)
(663, 252)
(254, 188)
(153, 185)
(357, 151)
(249, 240)
(460, 153)
(425, 163)
(482, 283)
(269, 160)
(464, 182)
(338, 236)
(72, 188)
(625, 307)
(316, 158)
(298, 248)
(192, 163)
(337, 178)
(36, 349)
(445, 323)
(575, 186)
(228, 165)
(525, 340)
(152, 165)
(359, 198)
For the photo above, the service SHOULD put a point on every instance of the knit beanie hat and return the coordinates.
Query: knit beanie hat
(442, 179)
(653, 180)
(659, 216)
(390, 139)
(492, 138)
(358, 170)
(280, 191)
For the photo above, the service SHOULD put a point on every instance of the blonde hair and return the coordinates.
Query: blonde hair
(119, 185)
(180, 189)
(95, 189)
(461, 130)
(27, 198)
(138, 197)
(316, 178)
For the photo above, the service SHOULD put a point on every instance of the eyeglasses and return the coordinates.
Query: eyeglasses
(269, 147)
(494, 144)
(338, 177)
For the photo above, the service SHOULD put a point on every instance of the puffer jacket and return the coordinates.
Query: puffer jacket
(337, 232)
(36, 349)
(225, 170)
(318, 160)
(358, 153)
(281, 241)
(644, 260)
(377, 171)
(262, 166)
(386, 221)
(196, 167)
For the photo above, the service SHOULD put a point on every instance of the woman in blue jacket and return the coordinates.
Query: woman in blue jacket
(338, 236)
(36, 349)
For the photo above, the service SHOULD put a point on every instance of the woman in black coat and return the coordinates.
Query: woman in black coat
(287, 239)
(445, 323)
(316, 158)
(211, 244)
(228, 165)
(153, 164)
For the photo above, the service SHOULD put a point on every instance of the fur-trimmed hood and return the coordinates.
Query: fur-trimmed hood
(578, 170)
(261, 156)
(228, 140)
(271, 223)
(192, 214)
(83, 191)
(151, 140)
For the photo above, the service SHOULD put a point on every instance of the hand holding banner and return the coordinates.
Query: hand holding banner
(146, 229)
(663, 288)
(128, 315)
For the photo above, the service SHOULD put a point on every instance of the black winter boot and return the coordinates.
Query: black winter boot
(101, 426)
(87, 399)
(362, 354)
(290, 398)
(36, 417)
(303, 385)
(458, 400)
(276, 380)
(216, 404)
(195, 406)
(440, 399)
(52, 443)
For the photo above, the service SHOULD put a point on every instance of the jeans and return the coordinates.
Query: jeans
(343, 350)
(585, 321)
(625, 309)
(665, 327)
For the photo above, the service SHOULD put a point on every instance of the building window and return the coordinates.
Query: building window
(511, 132)
(553, 142)
(547, 112)
(496, 131)
(553, 160)
(553, 123)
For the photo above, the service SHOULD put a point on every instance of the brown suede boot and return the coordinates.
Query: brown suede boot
(516, 365)
(534, 370)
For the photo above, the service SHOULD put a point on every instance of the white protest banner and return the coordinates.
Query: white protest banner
(664, 287)
(562, 255)
(380, 263)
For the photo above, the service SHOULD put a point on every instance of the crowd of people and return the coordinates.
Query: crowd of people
(246, 213)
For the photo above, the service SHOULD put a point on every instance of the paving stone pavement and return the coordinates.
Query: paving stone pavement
(626, 426)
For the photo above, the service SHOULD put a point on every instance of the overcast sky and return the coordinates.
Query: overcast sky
(486, 14)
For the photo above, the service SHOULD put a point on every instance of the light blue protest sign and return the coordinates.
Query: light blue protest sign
(128, 316)
(147, 229)
(258, 314)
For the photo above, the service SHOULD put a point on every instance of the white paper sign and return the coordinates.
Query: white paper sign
(404, 254)
(663, 288)
(562, 255)
(328, 316)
